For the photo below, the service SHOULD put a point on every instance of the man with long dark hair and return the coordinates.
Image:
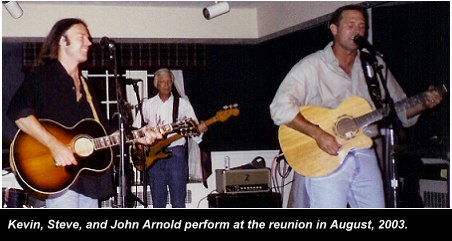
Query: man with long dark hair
(56, 90)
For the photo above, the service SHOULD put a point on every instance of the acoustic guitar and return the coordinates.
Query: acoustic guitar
(345, 123)
(34, 165)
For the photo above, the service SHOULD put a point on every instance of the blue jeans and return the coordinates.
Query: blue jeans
(170, 174)
(71, 199)
(357, 182)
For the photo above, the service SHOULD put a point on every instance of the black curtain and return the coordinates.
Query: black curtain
(415, 39)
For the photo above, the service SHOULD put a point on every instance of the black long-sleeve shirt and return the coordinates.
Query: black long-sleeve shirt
(49, 93)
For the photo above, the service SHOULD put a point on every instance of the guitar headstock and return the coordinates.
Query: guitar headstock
(227, 111)
(186, 127)
(442, 89)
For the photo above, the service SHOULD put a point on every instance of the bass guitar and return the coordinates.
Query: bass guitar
(345, 123)
(34, 165)
(157, 152)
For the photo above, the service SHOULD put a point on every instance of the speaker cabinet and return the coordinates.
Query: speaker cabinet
(434, 183)
(434, 193)
(245, 200)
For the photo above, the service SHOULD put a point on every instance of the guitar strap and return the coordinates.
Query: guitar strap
(175, 108)
(371, 79)
(89, 98)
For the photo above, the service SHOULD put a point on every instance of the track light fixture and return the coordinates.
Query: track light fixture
(13, 8)
(216, 10)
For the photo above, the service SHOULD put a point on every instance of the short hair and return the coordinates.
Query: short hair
(49, 50)
(336, 17)
(160, 72)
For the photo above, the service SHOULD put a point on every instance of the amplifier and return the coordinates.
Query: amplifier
(243, 180)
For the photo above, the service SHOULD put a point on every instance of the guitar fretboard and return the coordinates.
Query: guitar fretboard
(114, 140)
(400, 106)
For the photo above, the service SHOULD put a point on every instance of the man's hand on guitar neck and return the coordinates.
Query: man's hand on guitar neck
(202, 127)
(432, 98)
(150, 135)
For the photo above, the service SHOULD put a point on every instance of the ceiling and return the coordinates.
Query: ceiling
(179, 4)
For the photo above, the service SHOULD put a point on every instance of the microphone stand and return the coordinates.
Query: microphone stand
(140, 110)
(389, 125)
(122, 136)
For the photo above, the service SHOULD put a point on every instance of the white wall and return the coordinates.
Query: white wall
(133, 22)
(282, 15)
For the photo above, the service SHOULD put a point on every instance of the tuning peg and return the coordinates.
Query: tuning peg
(230, 106)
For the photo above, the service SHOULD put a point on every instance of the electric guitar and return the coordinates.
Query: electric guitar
(345, 123)
(157, 152)
(34, 165)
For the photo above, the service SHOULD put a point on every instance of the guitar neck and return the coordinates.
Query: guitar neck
(417, 99)
(211, 120)
(170, 139)
(223, 115)
(114, 140)
(399, 106)
(165, 142)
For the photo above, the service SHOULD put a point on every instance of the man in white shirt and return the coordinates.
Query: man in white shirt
(326, 78)
(168, 174)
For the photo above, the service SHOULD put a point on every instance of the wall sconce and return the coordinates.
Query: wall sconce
(216, 10)
(13, 8)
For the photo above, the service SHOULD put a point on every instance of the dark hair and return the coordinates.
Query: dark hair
(49, 50)
(336, 17)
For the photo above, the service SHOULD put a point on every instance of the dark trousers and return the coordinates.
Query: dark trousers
(170, 174)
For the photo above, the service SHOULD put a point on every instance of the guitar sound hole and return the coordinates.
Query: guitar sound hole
(83, 146)
(346, 127)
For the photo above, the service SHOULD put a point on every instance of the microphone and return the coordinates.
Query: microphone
(132, 81)
(364, 44)
(106, 42)
(369, 70)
